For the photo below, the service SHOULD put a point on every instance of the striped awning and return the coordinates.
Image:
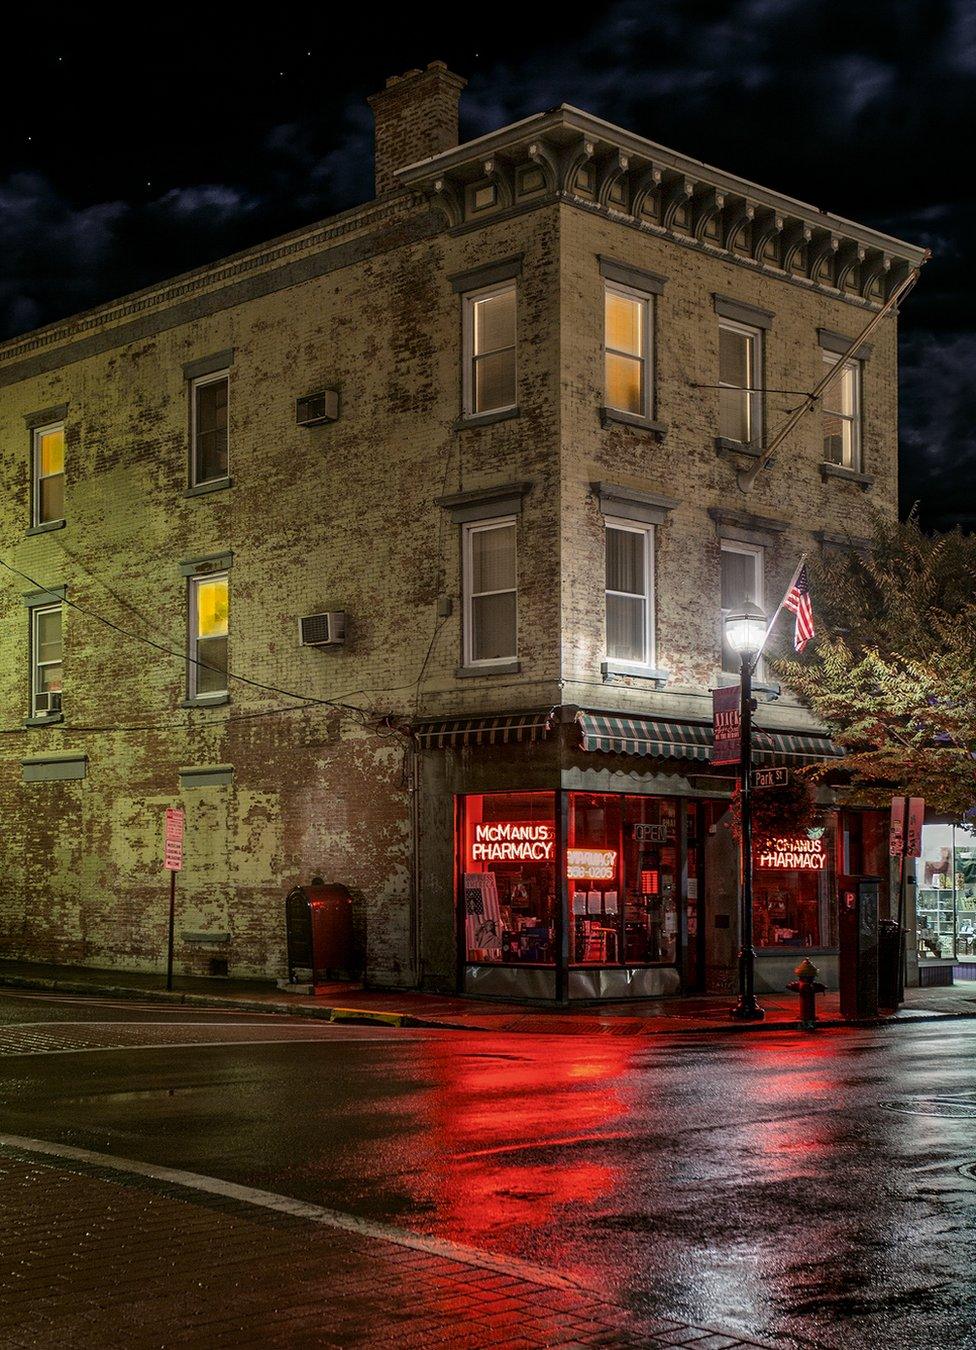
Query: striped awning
(693, 740)
(507, 729)
(641, 736)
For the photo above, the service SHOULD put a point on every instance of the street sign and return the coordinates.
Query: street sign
(173, 844)
(764, 778)
(726, 740)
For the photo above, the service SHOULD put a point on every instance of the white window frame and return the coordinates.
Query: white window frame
(646, 357)
(468, 531)
(193, 623)
(650, 635)
(833, 359)
(469, 299)
(36, 475)
(759, 553)
(35, 664)
(755, 398)
(213, 378)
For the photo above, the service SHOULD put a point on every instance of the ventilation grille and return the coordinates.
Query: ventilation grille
(323, 630)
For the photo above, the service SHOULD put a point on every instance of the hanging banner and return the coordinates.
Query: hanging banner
(916, 818)
(726, 747)
(906, 824)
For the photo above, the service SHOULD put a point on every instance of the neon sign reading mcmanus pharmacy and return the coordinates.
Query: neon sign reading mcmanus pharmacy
(791, 853)
(513, 841)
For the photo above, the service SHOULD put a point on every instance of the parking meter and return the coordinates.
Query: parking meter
(858, 955)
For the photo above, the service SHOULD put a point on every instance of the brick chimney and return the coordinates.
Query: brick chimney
(416, 116)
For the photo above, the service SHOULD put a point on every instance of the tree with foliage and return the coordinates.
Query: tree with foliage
(892, 670)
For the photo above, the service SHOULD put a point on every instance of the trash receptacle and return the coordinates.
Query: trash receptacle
(889, 964)
(318, 930)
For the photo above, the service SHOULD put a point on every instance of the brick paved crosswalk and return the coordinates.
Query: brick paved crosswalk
(89, 1258)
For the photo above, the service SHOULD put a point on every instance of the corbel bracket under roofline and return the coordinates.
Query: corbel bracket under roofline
(665, 192)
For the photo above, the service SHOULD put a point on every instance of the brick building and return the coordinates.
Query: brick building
(515, 478)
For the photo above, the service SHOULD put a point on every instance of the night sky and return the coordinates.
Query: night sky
(135, 148)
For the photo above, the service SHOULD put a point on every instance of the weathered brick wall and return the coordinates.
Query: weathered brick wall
(339, 517)
(686, 466)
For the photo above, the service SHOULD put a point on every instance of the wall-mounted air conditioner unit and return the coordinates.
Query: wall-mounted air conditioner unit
(314, 410)
(323, 630)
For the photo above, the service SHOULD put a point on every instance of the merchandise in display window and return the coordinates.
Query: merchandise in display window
(508, 883)
(794, 888)
(945, 894)
(622, 868)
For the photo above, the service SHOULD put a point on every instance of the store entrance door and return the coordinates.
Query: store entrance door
(693, 972)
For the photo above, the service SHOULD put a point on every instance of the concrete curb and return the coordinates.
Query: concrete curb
(185, 999)
(376, 1016)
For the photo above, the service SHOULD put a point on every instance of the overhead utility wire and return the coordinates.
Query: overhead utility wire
(745, 478)
(182, 656)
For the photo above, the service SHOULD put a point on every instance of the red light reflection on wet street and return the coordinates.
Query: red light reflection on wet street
(514, 1132)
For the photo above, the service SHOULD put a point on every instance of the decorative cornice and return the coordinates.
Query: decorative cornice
(815, 248)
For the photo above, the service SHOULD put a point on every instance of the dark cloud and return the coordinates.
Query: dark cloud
(859, 107)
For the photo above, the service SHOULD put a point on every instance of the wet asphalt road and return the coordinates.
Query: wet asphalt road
(807, 1190)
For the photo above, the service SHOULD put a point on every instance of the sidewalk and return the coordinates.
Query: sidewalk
(97, 1257)
(350, 1002)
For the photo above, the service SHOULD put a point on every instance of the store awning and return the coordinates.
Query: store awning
(641, 736)
(507, 729)
(693, 740)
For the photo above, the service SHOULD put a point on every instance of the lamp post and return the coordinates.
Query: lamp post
(745, 630)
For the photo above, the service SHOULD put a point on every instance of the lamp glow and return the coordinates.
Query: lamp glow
(745, 629)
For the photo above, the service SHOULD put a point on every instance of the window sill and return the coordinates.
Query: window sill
(494, 668)
(44, 720)
(658, 429)
(468, 421)
(725, 446)
(609, 669)
(214, 485)
(863, 480)
(47, 526)
(205, 701)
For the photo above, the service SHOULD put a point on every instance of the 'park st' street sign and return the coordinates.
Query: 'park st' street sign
(770, 778)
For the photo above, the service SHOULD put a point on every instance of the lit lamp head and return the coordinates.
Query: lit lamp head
(745, 629)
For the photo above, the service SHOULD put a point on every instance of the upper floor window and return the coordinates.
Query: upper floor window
(740, 379)
(742, 582)
(630, 592)
(842, 414)
(48, 471)
(489, 349)
(627, 349)
(46, 653)
(208, 428)
(209, 612)
(490, 592)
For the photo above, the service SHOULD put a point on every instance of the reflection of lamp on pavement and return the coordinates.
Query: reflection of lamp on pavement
(745, 629)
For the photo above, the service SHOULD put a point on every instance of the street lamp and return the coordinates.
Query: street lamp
(745, 629)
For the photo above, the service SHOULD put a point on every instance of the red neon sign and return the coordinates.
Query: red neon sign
(791, 853)
(591, 864)
(513, 841)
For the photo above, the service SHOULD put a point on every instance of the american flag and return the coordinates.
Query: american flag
(798, 602)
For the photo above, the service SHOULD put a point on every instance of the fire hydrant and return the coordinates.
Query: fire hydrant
(808, 987)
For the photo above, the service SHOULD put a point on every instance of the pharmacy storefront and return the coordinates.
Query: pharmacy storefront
(592, 858)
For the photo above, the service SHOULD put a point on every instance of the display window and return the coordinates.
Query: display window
(794, 889)
(508, 882)
(622, 871)
(945, 892)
